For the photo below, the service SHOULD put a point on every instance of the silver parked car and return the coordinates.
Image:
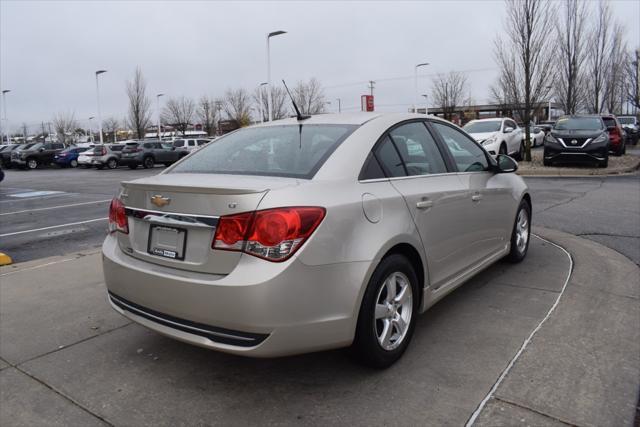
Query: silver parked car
(297, 236)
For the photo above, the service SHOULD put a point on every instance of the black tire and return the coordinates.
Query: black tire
(503, 149)
(519, 251)
(112, 163)
(73, 163)
(520, 154)
(624, 148)
(32, 163)
(545, 161)
(133, 166)
(366, 347)
(604, 163)
(148, 162)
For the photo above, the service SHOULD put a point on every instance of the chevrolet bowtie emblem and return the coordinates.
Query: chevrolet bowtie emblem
(160, 201)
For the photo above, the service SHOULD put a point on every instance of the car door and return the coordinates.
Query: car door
(433, 194)
(159, 152)
(514, 138)
(487, 210)
(46, 155)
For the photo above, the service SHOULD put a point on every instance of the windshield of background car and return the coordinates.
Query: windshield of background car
(578, 123)
(482, 127)
(296, 151)
(627, 120)
(130, 146)
(28, 146)
(609, 122)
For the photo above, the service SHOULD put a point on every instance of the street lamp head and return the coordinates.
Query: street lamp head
(276, 33)
(263, 83)
(100, 72)
(160, 94)
(6, 91)
(422, 65)
(91, 118)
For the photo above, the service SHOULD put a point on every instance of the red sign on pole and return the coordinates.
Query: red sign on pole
(366, 102)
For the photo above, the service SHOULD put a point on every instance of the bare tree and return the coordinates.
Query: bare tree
(139, 116)
(179, 113)
(64, 124)
(448, 90)
(207, 114)
(616, 80)
(279, 99)
(598, 57)
(237, 106)
(525, 56)
(111, 125)
(633, 72)
(309, 96)
(570, 84)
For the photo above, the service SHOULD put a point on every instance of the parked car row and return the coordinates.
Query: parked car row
(145, 153)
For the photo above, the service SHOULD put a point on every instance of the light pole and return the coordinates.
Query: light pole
(158, 113)
(271, 34)
(339, 105)
(415, 82)
(91, 128)
(426, 103)
(98, 98)
(549, 109)
(4, 107)
(261, 105)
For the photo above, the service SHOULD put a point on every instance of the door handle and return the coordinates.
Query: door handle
(424, 204)
(476, 197)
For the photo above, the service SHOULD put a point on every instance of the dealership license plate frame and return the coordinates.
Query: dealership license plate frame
(178, 250)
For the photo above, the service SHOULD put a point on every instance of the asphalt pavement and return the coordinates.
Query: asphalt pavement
(35, 225)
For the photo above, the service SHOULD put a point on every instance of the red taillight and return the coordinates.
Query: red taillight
(272, 234)
(103, 152)
(118, 217)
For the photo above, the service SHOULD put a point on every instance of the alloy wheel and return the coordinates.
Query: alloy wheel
(32, 163)
(522, 230)
(394, 308)
(112, 164)
(73, 163)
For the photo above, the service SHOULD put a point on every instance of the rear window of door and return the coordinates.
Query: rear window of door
(467, 155)
(418, 149)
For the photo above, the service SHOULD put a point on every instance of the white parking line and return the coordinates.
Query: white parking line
(526, 342)
(55, 207)
(53, 226)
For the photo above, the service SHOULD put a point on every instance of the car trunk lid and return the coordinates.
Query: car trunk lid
(172, 217)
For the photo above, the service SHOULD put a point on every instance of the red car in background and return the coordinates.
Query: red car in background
(617, 136)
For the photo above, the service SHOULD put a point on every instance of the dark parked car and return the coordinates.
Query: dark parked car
(68, 157)
(148, 153)
(632, 127)
(577, 139)
(5, 155)
(34, 155)
(617, 136)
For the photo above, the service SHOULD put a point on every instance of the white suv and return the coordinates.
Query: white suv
(190, 144)
(498, 136)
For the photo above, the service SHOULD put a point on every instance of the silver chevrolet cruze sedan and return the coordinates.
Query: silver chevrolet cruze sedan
(304, 235)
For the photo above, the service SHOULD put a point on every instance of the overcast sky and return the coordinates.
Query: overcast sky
(49, 50)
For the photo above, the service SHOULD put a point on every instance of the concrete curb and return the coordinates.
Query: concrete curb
(41, 262)
(571, 172)
(583, 366)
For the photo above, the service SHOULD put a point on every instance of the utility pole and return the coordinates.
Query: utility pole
(339, 105)
(371, 86)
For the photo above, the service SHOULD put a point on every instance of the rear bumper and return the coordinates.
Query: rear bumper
(261, 309)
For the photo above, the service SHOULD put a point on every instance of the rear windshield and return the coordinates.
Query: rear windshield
(130, 145)
(289, 150)
(609, 121)
(481, 127)
(578, 123)
(116, 147)
(627, 120)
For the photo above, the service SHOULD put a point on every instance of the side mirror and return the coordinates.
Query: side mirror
(505, 164)
(508, 130)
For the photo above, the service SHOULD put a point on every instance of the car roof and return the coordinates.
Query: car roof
(357, 119)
